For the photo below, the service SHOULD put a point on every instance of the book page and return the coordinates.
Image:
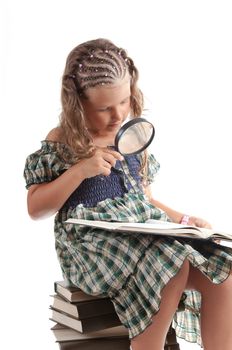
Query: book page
(157, 227)
(204, 232)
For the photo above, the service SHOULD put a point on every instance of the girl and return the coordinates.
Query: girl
(73, 175)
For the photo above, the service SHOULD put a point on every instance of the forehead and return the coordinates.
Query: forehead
(109, 93)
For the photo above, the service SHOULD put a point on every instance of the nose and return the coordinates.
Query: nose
(116, 114)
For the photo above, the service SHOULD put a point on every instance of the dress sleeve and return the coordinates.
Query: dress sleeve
(152, 169)
(43, 165)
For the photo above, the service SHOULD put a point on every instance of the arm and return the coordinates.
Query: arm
(174, 215)
(46, 199)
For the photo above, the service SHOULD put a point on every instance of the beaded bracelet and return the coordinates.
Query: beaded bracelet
(185, 220)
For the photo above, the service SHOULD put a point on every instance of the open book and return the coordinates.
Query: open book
(156, 227)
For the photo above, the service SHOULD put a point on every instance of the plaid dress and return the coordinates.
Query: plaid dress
(132, 269)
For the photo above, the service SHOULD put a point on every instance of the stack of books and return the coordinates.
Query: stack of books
(85, 322)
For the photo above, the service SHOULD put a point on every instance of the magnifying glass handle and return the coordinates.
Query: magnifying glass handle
(117, 171)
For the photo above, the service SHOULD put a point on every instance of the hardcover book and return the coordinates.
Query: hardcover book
(156, 227)
(83, 309)
(72, 293)
(63, 333)
(90, 324)
(97, 344)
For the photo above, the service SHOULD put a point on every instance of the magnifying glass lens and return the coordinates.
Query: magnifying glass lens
(134, 136)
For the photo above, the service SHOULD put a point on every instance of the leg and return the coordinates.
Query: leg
(216, 310)
(153, 338)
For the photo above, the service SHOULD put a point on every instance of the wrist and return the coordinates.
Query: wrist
(184, 220)
(79, 170)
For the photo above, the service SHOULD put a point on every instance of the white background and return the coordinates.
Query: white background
(183, 52)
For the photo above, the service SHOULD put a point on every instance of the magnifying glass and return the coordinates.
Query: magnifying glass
(134, 136)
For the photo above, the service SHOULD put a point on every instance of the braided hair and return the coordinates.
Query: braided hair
(93, 63)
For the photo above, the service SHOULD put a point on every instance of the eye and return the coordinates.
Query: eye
(125, 101)
(104, 109)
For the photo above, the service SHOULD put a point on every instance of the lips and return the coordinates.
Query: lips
(114, 124)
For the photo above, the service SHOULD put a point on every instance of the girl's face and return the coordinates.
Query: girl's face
(106, 107)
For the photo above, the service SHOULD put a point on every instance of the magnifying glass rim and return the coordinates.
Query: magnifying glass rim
(126, 126)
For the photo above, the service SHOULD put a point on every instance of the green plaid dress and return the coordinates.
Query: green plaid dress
(130, 268)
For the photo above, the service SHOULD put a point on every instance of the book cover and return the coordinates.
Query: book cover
(70, 339)
(90, 324)
(97, 344)
(156, 227)
(72, 293)
(63, 333)
(83, 309)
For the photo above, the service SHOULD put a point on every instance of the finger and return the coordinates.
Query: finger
(115, 154)
(106, 170)
(203, 224)
(109, 158)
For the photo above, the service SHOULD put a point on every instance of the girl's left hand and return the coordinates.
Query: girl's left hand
(195, 221)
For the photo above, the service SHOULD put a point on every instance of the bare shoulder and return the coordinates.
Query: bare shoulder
(54, 135)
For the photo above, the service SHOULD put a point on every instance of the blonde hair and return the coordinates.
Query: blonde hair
(92, 63)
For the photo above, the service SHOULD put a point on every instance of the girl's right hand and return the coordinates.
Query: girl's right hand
(99, 164)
